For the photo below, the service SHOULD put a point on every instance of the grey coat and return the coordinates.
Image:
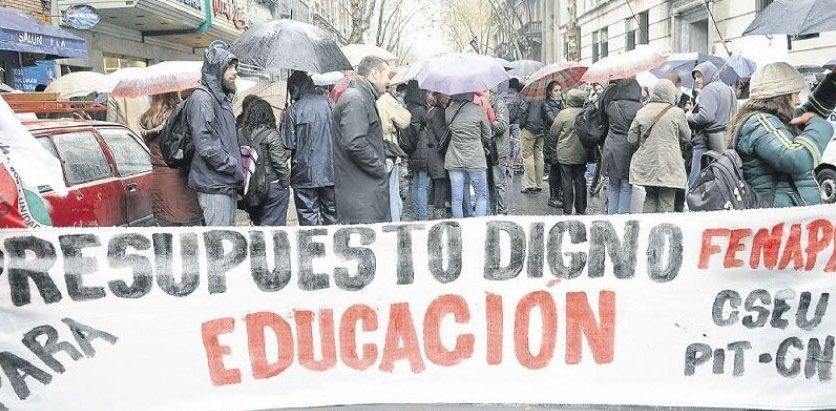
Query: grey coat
(469, 131)
(361, 186)
(716, 107)
(620, 112)
(658, 160)
(216, 167)
(501, 126)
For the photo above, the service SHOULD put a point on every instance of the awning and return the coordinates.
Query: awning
(24, 34)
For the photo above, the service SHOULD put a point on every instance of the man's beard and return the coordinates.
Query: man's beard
(228, 86)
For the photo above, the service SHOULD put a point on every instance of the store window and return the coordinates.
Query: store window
(113, 62)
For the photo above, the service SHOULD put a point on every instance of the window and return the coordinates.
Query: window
(644, 27)
(47, 144)
(636, 35)
(113, 63)
(605, 45)
(130, 156)
(595, 51)
(629, 34)
(82, 156)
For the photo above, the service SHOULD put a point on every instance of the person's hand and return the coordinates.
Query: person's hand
(803, 119)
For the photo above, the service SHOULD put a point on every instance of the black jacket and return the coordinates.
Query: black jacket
(216, 167)
(308, 133)
(623, 102)
(532, 118)
(361, 186)
(272, 145)
(550, 109)
(418, 113)
(436, 125)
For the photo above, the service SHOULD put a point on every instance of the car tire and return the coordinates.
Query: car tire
(827, 185)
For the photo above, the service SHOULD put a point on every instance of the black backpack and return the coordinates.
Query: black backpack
(589, 124)
(408, 137)
(721, 186)
(259, 183)
(176, 144)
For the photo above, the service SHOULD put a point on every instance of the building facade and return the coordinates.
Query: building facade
(675, 26)
(334, 17)
(520, 30)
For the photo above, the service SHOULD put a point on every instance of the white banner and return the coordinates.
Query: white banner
(727, 309)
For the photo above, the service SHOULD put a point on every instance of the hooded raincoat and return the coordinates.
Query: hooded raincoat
(658, 161)
(308, 134)
(216, 167)
(563, 141)
(469, 134)
(361, 183)
(716, 106)
(624, 99)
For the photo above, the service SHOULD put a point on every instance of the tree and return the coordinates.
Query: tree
(572, 40)
(360, 13)
(465, 20)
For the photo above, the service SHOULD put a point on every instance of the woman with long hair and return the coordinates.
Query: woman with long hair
(259, 129)
(172, 201)
(778, 149)
(465, 159)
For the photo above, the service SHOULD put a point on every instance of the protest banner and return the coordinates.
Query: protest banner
(726, 309)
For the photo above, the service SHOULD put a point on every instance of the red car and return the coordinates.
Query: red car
(107, 169)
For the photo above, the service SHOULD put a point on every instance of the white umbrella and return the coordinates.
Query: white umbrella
(624, 65)
(459, 73)
(407, 73)
(357, 52)
(327, 79)
(79, 84)
(647, 79)
(160, 78)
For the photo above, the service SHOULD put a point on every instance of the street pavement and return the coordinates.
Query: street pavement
(497, 407)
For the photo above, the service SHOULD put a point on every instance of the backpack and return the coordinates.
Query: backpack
(408, 138)
(721, 186)
(176, 144)
(258, 185)
(589, 124)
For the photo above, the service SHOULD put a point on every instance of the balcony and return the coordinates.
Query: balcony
(532, 29)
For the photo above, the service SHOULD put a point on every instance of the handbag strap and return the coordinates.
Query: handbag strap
(658, 117)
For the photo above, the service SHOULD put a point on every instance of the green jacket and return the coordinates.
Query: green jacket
(562, 136)
(768, 148)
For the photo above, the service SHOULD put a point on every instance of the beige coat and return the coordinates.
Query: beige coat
(392, 115)
(127, 111)
(658, 160)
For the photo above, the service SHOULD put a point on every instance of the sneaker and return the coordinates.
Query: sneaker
(555, 203)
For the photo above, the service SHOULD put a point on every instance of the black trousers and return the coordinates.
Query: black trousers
(441, 192)
(679, 201)
(315, 206)
(574, 188)
(555, 182)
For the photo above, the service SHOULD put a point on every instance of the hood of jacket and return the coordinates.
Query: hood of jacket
(414, 96)
(575, 98)
(627, 90)
(215, 61)
(300, 84)
(709, 71)
(664, 92)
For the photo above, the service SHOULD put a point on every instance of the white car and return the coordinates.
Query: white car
(826, 171)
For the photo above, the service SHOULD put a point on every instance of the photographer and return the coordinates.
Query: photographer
(780, 152)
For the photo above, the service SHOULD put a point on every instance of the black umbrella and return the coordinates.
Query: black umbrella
(795, 17)
(281, 45)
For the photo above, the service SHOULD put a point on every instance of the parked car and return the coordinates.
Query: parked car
(107, 170)
(826, 171)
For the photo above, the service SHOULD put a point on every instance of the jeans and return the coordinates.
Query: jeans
(532, 149)
(315, 206)
(395, 203)
(696, 164)
(420, 185)
(619, 197)
(498, 196)
(573, 179)
(659, 200)
(458, 180)
(218, 209)
(274, 210)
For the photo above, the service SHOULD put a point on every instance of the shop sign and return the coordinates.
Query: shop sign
(195, 4)
(234, 11)
(81, 17)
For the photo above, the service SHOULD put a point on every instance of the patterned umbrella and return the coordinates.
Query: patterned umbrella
(568, 74)
(624, 65)
(160, 78)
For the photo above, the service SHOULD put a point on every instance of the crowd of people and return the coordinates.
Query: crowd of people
(346, 155)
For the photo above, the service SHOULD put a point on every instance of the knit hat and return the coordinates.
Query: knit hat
(775, 79)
